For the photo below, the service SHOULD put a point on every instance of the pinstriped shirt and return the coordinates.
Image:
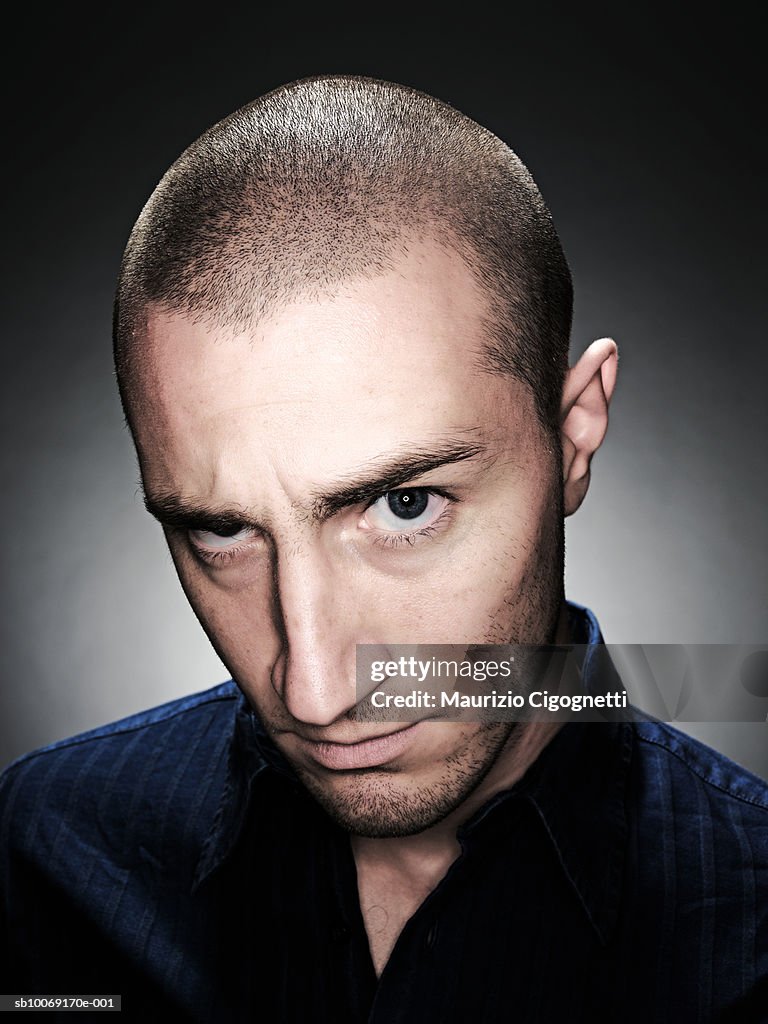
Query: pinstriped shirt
(174, 857)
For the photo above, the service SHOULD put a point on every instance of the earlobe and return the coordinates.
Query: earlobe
(587, 393)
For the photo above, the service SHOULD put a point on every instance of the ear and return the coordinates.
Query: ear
(584, 416)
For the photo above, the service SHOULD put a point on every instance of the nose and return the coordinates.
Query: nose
(314, 673)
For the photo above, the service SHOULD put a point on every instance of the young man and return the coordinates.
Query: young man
(341, 337)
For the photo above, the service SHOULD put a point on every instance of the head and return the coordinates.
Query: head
(341, 337)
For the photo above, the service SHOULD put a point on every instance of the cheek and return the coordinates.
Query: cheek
(239, 621)
(524, 587)
(503, 585)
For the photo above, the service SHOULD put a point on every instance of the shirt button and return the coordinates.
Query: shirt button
(432, 935)
(339, 932)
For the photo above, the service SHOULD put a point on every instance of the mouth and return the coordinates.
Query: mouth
(370, 753)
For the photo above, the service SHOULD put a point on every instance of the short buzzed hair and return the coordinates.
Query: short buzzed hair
(328, 179)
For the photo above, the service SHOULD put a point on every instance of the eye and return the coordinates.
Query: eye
(405, 510)
(221, 540)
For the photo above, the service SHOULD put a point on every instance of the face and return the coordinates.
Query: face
(348, 473)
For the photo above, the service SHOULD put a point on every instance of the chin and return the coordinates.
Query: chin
(377, 810)
(383, 805)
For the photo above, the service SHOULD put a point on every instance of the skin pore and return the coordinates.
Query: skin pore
(277, 459)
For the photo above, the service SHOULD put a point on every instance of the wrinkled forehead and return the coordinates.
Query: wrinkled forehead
(327, 380)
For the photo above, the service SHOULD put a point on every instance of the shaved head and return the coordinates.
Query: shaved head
(332, 179)
(341, 332)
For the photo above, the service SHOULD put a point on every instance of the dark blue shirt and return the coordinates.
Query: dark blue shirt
(174, 858)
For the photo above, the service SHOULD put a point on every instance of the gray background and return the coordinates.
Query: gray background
(642, 131)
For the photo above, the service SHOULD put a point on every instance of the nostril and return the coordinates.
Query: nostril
(277, 674)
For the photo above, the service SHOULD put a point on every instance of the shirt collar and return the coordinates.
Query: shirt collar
(252, 756)
(576, 787)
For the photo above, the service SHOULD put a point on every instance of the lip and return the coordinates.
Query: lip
(370, 753)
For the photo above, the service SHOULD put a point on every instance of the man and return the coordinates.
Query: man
(341, 338)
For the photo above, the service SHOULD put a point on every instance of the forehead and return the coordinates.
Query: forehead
(326, 383)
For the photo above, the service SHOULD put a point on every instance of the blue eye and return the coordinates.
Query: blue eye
(405, 510)
(408, 503)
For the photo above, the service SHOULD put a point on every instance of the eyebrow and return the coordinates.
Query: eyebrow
(177, 511)
(382, 474)
(386, 474)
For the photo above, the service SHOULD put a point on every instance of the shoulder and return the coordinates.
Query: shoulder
(174, 723)
(670, 757)
(148, 764)
(698, 817)
(697, 848)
